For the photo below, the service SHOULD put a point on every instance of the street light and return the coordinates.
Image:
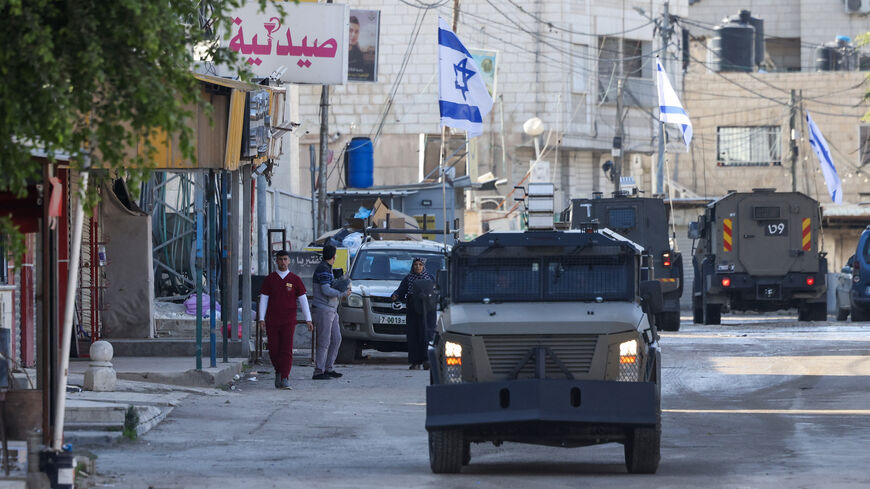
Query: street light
(534, 127)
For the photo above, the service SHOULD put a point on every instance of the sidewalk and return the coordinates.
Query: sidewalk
(148, 389)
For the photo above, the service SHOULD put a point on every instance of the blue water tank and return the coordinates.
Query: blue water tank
(360, 163)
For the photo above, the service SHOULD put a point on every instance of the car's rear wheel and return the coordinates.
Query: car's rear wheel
(446, 451)
(860, 315)
(697, 311)
(712, 313)
(668, 321)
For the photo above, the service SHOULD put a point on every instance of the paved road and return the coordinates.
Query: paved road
(756, 402)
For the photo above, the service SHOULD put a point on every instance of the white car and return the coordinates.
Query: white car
(369, 318)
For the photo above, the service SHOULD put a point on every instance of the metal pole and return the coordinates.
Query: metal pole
(234, 247)
(324, 150)
(793, 148)
(620, 133)
(66, 330)
(212, 270)
(443, 186)
(198, 263)
(313, 168)
(246, 261)
(666, 36)
(229, 309)
(262, 228)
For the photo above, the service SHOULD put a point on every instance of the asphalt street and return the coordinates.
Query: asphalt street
(755, 402)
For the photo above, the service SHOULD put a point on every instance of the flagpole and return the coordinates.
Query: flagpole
(443, 186)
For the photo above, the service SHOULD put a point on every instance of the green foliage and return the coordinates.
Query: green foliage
(93, 79)
(131, 421)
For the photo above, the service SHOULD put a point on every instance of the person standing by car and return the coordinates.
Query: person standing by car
(325, 304)
(414, 291)
(280, 292)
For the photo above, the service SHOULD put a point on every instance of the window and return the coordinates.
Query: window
(638, 88)
(621, 218)
(392, 264)
(749, 146)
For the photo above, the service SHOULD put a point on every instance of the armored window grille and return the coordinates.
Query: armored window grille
(588, 277)
(749, 146)
(621, 218)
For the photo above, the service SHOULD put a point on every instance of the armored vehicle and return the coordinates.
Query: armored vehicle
(759, 251)
(545, 338)
(644, 221)
(368, 317)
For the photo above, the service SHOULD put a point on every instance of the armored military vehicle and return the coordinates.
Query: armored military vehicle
(545, 337)
(644, 221)
(759, 251)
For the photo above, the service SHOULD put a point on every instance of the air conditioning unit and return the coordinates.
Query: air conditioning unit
(857, 6)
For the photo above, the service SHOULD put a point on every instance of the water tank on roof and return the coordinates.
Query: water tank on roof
(839, 55)
(733, 46)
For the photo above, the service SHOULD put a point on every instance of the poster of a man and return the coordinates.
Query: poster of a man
(364, 32)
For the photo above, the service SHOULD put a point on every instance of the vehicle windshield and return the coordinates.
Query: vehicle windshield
(582, 277)
(392, 264)
(866, 251)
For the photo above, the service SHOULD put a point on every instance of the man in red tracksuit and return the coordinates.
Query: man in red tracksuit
(278, 297)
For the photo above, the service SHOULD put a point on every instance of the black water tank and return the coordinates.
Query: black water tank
(839, 55)
(733, 47)
(759, 36)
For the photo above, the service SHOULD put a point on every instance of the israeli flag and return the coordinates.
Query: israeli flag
(820, 146)
(462, 94)
(670, 109)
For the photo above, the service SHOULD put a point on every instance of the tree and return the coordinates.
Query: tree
(96, 78)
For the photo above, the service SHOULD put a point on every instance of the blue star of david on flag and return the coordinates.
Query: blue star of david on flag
(462, 95)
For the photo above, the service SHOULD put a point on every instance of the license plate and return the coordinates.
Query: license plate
(391, 319)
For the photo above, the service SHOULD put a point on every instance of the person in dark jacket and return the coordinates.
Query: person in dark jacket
(419, 313)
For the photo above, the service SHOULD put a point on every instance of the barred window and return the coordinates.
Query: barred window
(749, 146)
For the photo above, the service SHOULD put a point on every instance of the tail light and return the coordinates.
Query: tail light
(726, 282)
(811, 281)
(666, 258)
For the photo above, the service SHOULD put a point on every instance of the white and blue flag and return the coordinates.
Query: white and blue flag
(462, 94)
(670, 109)
(820, 146)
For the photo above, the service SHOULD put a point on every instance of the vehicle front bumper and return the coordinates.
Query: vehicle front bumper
(482, 404)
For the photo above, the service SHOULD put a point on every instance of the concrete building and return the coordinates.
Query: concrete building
(559, 61)
(794, 28)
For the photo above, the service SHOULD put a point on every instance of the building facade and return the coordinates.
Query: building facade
(559, 61)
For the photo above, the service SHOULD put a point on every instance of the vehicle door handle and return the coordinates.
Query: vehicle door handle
(747, 236)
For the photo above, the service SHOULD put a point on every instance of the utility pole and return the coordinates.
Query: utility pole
(793, 148)
(620, 135)
(324, 152)
(444, 149)
(666, 38)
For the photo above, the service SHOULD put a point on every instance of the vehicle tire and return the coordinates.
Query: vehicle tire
(643, 446)
(859, 315)
(348, 351)
(668, 321)
(697, 311)
(446, 451)
(842, 314)
(712, 313)
(466, 452)
(818, 311)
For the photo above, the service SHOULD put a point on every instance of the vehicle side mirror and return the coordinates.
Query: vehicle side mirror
(443, 283)
(694, 231)
(651, 295)
(846, 269)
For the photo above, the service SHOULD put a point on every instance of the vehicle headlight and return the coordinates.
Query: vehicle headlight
(629, 366)
(354, 300)
(453, 362)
